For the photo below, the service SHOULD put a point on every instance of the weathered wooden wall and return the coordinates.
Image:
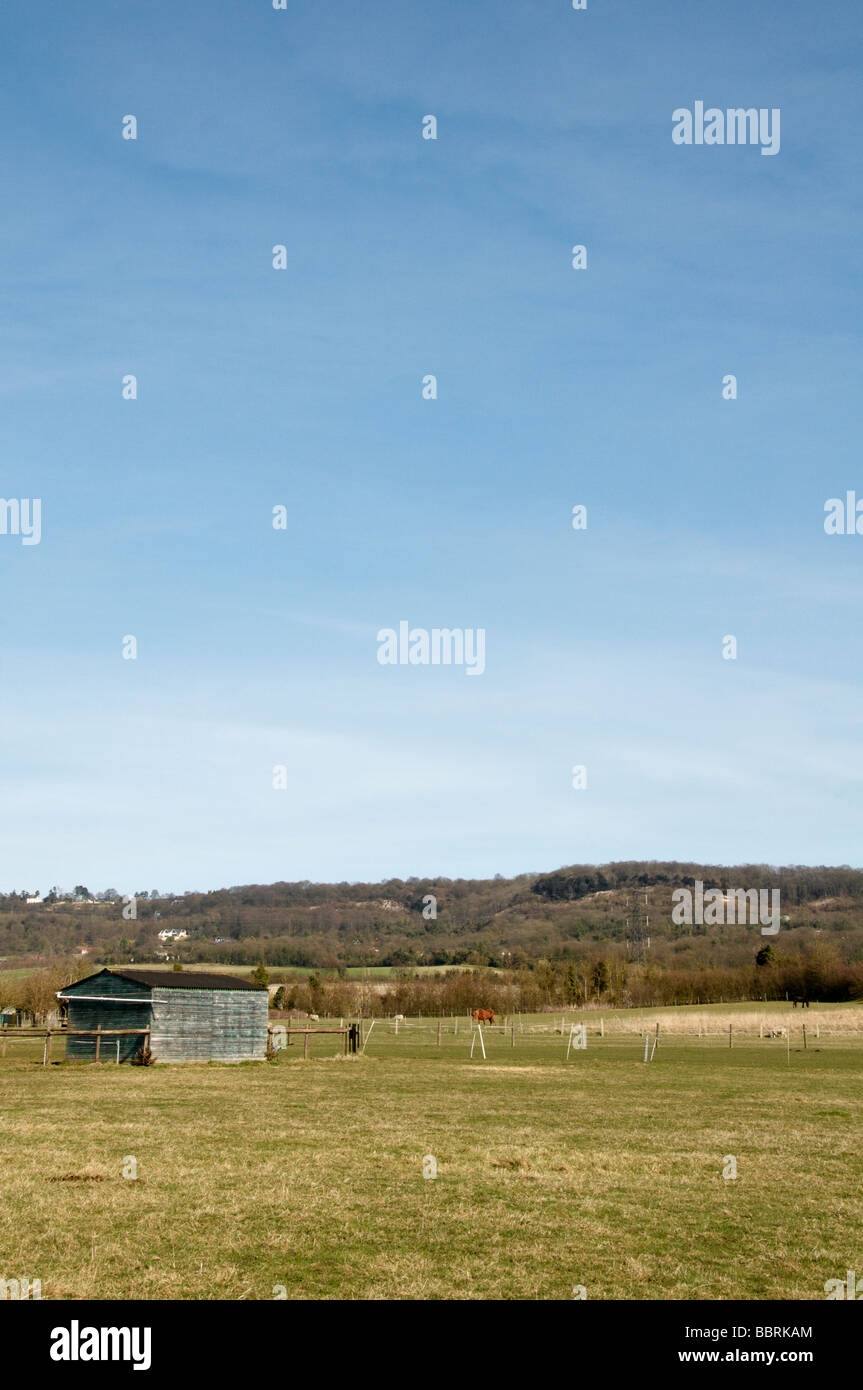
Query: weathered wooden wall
(202, 1025)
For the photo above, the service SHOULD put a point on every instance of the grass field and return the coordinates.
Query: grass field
(352, 972)
(598, 1171)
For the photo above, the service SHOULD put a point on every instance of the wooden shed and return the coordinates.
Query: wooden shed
(192, 1016)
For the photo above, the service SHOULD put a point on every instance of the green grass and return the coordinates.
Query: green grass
(598, 1171)
(352, 972)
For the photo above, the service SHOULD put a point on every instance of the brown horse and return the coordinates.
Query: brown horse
(483, 1015)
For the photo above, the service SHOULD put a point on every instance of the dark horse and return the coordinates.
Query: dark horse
(804, 1003)
(483, 1015)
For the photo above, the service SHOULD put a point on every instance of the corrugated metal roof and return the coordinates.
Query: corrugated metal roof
(184, 979)
(161, 979)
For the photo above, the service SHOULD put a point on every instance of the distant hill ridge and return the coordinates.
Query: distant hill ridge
(436, 920)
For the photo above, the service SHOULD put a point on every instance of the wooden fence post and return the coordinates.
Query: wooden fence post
(98, 1041)
(45, 1050)
(306, 1042)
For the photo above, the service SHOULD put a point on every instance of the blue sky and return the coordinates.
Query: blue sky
(303, 387)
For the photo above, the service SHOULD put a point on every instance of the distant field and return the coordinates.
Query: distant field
(385, 971)
(90, 967)
(360, 972)
(168, 967)
(600, 1171)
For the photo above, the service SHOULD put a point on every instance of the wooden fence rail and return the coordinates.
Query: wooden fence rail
(351, 1035)
(49, 1033)
(66, 1032)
